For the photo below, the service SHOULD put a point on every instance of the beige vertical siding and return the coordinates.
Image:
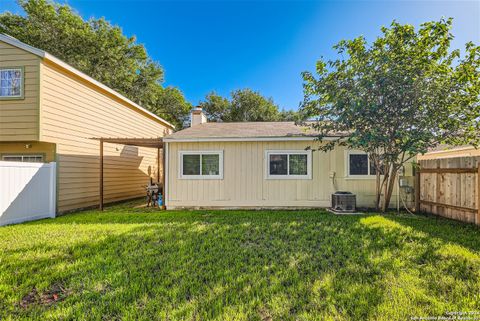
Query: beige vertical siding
(72, 112)
(244, 183)
(19, 117)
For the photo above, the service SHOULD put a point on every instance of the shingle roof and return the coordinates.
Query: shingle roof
(247, 130)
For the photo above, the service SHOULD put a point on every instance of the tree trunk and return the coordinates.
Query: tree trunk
(385, 189)
(379, 182)
(378, 191)
(389, 190)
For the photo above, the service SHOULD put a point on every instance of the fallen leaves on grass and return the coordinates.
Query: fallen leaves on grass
(53, 295)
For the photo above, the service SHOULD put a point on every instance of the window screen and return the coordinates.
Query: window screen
(210, 164)
(358, 164)
(191, 164)
(298, 164)
(278, 164)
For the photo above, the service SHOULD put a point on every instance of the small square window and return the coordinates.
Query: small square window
(11, 83)
(358, 164)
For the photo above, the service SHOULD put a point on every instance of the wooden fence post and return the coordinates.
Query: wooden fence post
(477, 219)
(417, 190)
(438, 186)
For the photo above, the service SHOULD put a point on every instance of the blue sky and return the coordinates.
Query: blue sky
(264, 45)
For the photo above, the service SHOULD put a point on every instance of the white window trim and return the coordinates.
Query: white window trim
(288, 152)
(347, 165)
(22, 81)
(197, 152)
(22, 156)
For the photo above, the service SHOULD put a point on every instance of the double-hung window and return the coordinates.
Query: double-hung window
(201, 165)
(359, 165)
(11, 83)
(294, 164)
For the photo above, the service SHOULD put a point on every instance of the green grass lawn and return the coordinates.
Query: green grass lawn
(141, 264)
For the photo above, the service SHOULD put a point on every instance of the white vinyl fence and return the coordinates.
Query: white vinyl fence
(27, 191)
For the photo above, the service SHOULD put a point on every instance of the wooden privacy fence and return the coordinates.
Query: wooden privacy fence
(449, 187)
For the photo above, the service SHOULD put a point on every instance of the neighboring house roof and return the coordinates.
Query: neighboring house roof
(245, 131)
(446, 151)
(46, 56)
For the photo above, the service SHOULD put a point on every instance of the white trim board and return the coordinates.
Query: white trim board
(244, 139)
(45, 55)
(166, 177)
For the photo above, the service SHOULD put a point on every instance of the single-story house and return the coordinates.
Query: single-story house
(262, 165)
(50, 111)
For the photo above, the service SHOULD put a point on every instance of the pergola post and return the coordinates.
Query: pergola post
(158, 165)
(101, 174)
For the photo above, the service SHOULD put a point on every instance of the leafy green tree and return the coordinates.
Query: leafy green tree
(397, 97)
(170, 104)
(248, 105)
(95, 47)
(244, 105)
(215, 107)
(289, 115)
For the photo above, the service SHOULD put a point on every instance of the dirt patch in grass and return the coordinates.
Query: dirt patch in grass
(265, 315)
(54, 294)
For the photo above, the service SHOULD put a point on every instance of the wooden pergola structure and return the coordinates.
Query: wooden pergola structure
(139, 142)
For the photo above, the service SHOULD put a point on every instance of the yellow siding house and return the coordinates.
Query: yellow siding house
(264, 165)
(49, 111)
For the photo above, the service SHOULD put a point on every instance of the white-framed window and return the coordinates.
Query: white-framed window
(11, 83)
(358, 165)
(288, 164)
(23, 158)
(200, 165)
